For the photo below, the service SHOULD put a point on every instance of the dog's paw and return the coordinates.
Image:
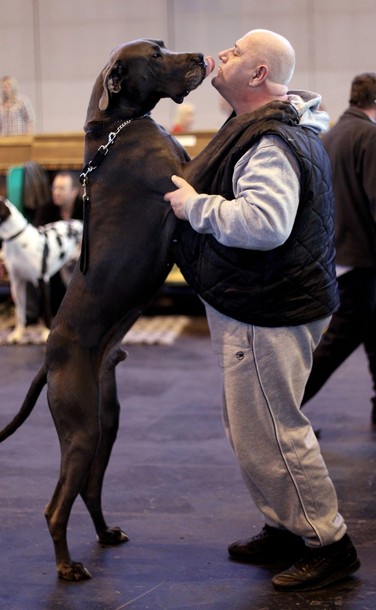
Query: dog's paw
(44, 335)
(16, 336)
(73, 571)
(112, 536)
(37, 334)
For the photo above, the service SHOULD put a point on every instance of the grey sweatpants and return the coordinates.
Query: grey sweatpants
(264, 372)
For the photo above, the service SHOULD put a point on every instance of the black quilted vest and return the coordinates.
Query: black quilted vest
(289, 285)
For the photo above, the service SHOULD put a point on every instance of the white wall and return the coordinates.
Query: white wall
(56, 49)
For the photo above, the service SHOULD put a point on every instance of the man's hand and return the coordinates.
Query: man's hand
(179, 197)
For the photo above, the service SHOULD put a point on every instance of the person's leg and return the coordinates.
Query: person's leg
(57, 290)
(264, 372)
(370, 349)
(264, 375)
(347, 329)
(33, 304)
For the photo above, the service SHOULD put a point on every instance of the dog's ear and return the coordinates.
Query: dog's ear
(112, 78)
(4, 209)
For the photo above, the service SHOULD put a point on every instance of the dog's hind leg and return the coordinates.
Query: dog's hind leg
(109, 417)
(18, 290)
(57, 514)
(46, 302)
(74, 408)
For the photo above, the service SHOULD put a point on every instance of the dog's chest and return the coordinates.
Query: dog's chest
(23, 255)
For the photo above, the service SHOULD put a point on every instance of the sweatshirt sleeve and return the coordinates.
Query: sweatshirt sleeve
(266, 184)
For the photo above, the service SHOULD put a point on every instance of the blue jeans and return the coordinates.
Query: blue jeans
(264, 373)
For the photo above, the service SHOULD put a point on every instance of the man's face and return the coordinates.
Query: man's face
(234, 73)
(63, 192)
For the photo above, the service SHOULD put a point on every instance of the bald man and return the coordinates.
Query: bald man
(265, 270)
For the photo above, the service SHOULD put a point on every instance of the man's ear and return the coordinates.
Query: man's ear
(258, 76)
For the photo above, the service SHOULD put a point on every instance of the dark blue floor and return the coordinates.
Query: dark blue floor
(174, 486)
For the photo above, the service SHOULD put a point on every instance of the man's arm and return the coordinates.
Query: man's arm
(266, 185)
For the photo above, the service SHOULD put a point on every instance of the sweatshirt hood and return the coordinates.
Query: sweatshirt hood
(307, 104)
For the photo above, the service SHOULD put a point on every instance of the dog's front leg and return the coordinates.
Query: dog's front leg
(109, 418)
(18, 292)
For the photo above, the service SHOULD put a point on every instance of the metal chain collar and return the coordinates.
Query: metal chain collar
(98, 158)
(84, 179)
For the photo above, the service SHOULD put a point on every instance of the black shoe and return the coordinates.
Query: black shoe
(319, 567)
(271, 546)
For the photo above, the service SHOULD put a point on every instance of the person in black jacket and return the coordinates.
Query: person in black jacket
(351, 147)
(263, 262)
(65, 203)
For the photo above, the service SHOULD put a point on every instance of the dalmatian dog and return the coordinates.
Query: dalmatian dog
(33, 255)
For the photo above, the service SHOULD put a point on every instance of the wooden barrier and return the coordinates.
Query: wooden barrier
(58, 151)
(15, 150)
(52, 151)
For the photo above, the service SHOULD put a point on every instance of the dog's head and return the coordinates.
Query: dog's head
(139, 74)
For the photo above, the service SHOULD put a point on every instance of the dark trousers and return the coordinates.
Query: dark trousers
(44, 306)
(352, 325)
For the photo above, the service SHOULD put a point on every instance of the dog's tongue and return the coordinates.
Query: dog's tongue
(210, 65)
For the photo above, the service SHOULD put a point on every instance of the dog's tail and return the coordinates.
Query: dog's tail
(28, 404)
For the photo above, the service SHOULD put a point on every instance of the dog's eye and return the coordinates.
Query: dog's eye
(156, 55)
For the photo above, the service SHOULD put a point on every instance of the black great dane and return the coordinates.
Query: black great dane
(125, 260)
(126, 255)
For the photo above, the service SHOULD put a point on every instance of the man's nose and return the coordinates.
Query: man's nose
(223, 55)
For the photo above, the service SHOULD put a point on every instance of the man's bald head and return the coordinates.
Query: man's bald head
(275, 51)
(255, 71)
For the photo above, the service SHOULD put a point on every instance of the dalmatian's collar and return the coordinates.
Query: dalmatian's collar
(16, 234)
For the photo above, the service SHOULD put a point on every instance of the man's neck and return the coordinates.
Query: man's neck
(370, 112)
(66, 211)
(255, 104)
